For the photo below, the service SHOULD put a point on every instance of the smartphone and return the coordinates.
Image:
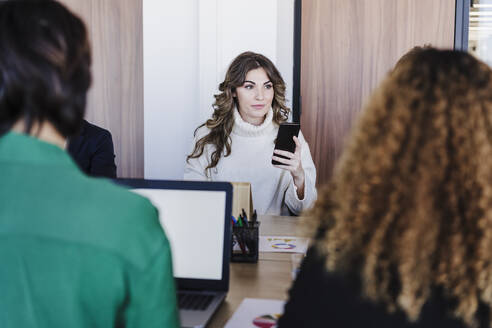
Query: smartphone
(285, 140)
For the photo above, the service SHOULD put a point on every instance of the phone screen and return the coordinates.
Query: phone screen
(285, 140)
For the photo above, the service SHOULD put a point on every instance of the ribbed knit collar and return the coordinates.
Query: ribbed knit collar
(245, 129)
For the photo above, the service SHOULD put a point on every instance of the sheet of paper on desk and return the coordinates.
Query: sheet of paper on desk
(283, 244)
(255, 312)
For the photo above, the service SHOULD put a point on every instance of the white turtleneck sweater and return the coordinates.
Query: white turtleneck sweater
(250, 161)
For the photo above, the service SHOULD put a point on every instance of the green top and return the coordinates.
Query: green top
(77, 251)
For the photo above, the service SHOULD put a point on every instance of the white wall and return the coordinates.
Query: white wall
(170, 46)
(188, 46)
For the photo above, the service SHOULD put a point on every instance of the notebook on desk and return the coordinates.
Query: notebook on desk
(196, 217)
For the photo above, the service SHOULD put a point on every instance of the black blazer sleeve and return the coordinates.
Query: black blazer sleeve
(102, 160)
(93, 151)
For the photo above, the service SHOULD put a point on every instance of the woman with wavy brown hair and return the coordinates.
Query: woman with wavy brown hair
(237, 143)
(405, 228)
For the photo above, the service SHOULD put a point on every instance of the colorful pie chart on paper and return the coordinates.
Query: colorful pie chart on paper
(266, 321)
(283, 246)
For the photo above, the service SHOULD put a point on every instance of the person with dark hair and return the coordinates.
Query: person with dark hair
(237, 143)
(93, 151)
(404, 230)
(75, 251)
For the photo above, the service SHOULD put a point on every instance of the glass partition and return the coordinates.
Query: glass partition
(480, 30)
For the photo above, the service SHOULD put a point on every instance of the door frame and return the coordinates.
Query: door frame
(461, 24)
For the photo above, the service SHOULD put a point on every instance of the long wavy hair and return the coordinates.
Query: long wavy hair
(222, 120)
(411, 197)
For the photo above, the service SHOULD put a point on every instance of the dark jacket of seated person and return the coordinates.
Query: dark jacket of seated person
(93, 151)
(320, 298)
(405, 226)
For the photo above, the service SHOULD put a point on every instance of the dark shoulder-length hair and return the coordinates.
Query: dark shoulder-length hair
(44, 66)
(222, 120)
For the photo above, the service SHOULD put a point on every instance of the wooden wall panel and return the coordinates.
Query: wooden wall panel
(115, 100)
(347, 48)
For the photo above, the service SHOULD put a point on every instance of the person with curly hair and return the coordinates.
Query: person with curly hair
(404, 229)
(237, 143)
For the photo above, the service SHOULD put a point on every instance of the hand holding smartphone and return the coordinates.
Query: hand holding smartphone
(285, 140)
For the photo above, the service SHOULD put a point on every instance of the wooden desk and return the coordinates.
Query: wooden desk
(269, 278)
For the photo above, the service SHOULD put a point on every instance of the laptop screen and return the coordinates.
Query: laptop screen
(196, 217)
(194, 224)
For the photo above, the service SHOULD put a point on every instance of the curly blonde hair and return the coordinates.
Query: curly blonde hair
(411, 197)
(222, 120)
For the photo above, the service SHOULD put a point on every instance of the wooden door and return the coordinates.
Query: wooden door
(115, 100)
(347, 47)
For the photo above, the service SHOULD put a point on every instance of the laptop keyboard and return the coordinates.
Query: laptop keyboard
(193, 301)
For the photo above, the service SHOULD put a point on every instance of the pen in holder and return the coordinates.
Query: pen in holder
(244, 246)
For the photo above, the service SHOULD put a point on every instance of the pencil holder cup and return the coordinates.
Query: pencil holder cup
(244, 246)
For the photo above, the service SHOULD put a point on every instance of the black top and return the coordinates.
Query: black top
(323, 299)
(93, 151)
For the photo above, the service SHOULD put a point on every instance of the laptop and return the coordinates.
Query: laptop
(196, 217)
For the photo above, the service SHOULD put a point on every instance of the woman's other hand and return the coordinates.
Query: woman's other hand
(293, 164)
